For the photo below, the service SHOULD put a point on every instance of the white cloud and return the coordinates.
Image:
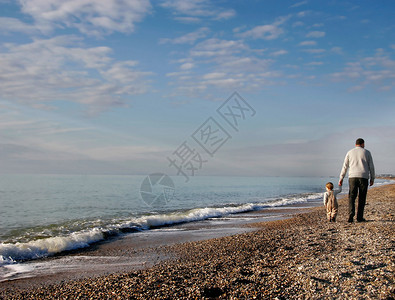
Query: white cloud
(315, 63)
(187, 66)
(315, 34)
(8, 25)
(37, 141)
(88, 16)
(298, 4)
(385, 88)
(217, 47)
(189, 38)
(314, 51)
(313, 157)
(227, 14)
(297, 24)
(303, 13)
(266, 32)
(216, 75)
(196, 10)
(377, 71)
(279, 52)
(48, 70)
(231, 65)
(59, 157)
(308, 43)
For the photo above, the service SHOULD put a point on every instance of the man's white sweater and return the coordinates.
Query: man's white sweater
(359, 162)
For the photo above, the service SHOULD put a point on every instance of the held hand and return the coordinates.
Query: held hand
(340, 182)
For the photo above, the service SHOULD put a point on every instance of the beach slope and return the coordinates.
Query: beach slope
(297, 258)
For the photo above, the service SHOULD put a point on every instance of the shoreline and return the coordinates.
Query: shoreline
(136, 251)
(303, 256)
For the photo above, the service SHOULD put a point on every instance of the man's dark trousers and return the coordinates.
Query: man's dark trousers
(358, 187)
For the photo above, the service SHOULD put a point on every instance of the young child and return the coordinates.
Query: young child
(330, 201)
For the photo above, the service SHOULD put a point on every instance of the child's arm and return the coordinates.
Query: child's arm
(325, 198)
(338, 191)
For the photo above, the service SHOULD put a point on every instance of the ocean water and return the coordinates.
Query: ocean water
(44, 215)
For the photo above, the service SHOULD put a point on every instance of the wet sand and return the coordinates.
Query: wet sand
(296, 258)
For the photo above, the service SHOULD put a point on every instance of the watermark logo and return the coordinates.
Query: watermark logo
(157, 189)
(191, 155)
(234, 110)
(210, 136)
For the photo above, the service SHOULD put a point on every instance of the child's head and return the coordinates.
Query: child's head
(329, 186)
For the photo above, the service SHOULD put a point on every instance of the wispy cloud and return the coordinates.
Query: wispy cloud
(308, 43)
(12, 25)
(298, 4)
(279, 52)
(314, 51)
(376, 71)
(217, 47)
(315, 34)
(189, 38)
(193, 11)
(88, 16)
(223, 64)
(47, 70)
(32, 140)
(315, 63)
(298, 24)
(266, 32)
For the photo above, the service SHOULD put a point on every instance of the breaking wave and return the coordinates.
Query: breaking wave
(49, 246)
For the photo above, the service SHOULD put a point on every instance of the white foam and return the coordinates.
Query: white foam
(200, 214)
(383, 183)
(192, 215)
(9, 253)
(13, 270)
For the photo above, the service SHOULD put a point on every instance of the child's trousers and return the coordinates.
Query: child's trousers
(331, 210)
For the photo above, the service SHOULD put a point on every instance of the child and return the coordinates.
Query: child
(330, 201)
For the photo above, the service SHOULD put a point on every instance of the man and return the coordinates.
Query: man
(359, 162)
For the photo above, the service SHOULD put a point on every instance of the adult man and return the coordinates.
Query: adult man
(359, 162)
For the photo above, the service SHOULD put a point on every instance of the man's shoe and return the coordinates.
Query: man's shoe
(350, 220)
(361, 220)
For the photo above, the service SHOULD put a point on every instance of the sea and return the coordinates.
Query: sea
(45, 215)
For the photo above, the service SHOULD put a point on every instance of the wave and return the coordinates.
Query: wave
(11, 253)
(14, 252)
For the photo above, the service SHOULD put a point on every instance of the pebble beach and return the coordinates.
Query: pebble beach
(302, 257)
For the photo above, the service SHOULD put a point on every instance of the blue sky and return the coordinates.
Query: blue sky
(116, 86)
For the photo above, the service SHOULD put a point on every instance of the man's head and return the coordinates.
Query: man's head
(360, 142)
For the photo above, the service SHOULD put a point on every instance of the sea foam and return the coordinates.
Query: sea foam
(9, 253)
(13, 252)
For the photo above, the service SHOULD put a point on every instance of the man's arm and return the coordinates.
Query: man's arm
(371, 169)
(344, 170)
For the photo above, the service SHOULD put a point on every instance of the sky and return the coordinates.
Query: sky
(195, 87)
